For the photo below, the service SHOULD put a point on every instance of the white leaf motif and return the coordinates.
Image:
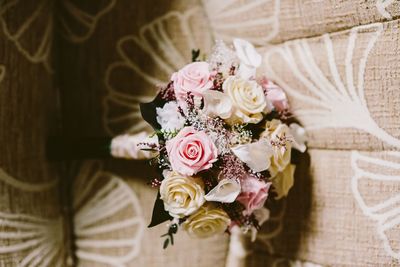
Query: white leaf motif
(26, 186)
(330, 101)
(165, 45)
(377, 173)
(33, 33)
(86, 20)
(272, 227)
(256, 21)
(107, 215)
(100, 199)
(382, 6)
(39, 240)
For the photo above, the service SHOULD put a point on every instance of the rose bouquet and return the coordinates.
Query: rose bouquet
(223, 141)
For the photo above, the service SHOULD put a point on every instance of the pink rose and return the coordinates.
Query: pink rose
(194, 78)
(254, 194)
(191, 151)
(275, 95)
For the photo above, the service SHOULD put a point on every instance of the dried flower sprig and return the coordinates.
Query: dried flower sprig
(173, 229)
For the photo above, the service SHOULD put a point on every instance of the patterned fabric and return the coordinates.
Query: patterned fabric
(80, 69)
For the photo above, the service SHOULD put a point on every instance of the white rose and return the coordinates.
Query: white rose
(256, 155)
(206, 222)
(299, 137)
(226, 191)
(217, 104)
(249, 58)
(248, 100)
(182, 195)
(169, 117)
(279, 135)
(283, 181)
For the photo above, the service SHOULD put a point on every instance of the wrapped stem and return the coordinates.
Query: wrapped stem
(137, 146)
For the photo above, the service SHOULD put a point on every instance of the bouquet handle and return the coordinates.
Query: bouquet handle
(126, 146)
(76, 148)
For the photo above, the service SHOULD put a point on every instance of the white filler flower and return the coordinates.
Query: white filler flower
(169, 117)
(249, 58)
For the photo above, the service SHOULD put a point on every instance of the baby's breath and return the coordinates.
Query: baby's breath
(240, 135)
(169, 134)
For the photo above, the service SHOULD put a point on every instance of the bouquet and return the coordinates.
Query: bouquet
(222, 144)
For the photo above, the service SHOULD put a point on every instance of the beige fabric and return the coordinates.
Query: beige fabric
(276, 21)
(324, 223)
(117, 219)
(101, 98)
(31, 223)
(339, 59)
(344, 87)
(319, 100)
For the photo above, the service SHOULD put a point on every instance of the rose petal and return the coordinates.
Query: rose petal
(226, 191)
(256, 155)
(217, 104)
(299, 137)
(246, 52)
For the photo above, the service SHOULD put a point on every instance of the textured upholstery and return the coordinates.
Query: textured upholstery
(80, 69)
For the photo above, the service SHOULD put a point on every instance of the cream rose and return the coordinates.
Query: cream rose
(248, 99)
(279, 136)
(182, 195)
(283, 181)
(206, 222)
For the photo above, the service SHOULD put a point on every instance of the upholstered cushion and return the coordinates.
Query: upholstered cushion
(79, 69)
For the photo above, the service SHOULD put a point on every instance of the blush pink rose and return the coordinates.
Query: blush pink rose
(254, 194)
(275, 95)
(194, 78)
(191, 151)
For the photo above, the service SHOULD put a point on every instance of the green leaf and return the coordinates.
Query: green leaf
(149, 112)
(195, 54)
(159, 213)
(166, 243)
